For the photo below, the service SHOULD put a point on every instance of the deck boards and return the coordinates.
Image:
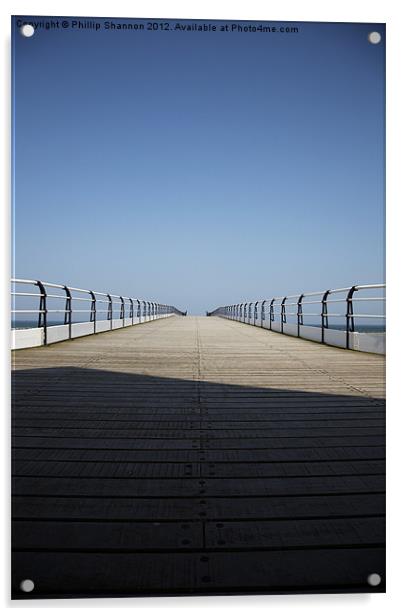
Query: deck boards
(197, 455)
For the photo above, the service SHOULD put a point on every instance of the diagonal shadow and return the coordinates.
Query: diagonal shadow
(128, 484)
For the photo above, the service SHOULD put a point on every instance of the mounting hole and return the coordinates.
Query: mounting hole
(374, 579)
(27, 30)
(27, 585)
(374, 38)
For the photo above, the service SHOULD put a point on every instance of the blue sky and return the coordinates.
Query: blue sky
(200, 169)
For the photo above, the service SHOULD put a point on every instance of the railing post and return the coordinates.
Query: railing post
(350, 322)
(299, 313)
(263, 312)
(68, 311)
(255, 312)
(42, 321)
(283, 313)
(93, 309)
(324, 315)
(271, 313)
(110, 310)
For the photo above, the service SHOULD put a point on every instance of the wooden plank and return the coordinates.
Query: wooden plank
(289, 534)
(292, 454)
(160, 433)
(102, 424)
(107, 536)
(199, 507)
(138, 420)
(294, 507)
(288, 443)
(189, 487)
(129, 509)
(224, 455)
(287, 424)
(113, 488)
(316, 570)
(293, 469)
(182, 456)
(117, 443)
(175, 413)
(105, 469)
(52, 468)
(74, 574)
(195, 443)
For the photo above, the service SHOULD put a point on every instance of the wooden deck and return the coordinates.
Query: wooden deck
(197, 455)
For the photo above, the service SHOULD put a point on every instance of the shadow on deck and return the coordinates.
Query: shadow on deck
(129, 484)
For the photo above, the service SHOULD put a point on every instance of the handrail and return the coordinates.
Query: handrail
(279, 307)
(151, 309)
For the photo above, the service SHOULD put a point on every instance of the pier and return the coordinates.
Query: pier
(193, 455)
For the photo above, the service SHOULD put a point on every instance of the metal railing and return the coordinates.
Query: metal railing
(99, 306)
(279, 309)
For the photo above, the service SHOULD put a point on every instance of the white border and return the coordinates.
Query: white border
(291, 10)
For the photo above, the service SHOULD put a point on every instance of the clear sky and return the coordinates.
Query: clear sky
(199, 168)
